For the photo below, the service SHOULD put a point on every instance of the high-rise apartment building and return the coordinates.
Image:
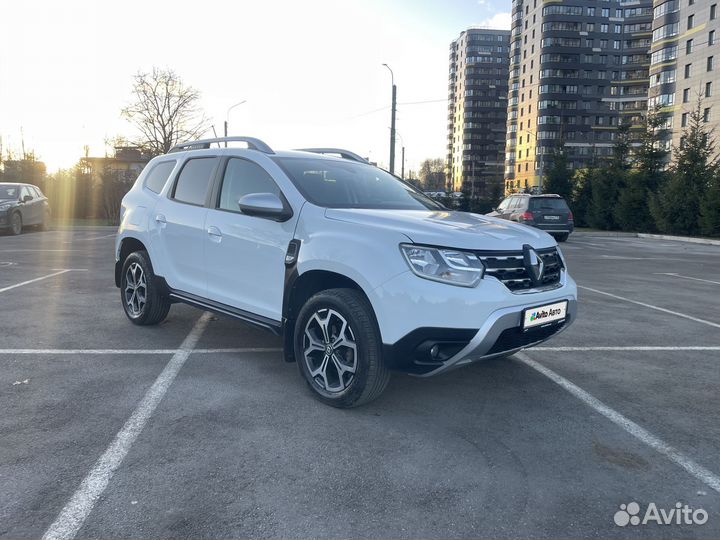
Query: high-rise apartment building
(578, 68)
(685, 63)
(477, 108)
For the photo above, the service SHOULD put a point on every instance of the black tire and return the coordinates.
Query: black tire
(371, 376)
(156, 305)
(562, 237)
(16, 224)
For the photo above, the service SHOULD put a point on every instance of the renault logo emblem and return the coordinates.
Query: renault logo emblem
(533, 264)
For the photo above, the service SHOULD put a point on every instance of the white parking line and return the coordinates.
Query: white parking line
(122, 352)
(73, 515)
(672, 274)
(650, 306)
(706, 476)
(564, 349)
(34, 280)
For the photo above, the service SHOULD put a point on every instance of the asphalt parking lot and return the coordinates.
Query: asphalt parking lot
(197, 428)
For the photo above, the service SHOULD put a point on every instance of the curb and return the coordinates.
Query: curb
(689, 239)
(611, 234)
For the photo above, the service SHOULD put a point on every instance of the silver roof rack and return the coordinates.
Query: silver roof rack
(345, 154)
(252, 142)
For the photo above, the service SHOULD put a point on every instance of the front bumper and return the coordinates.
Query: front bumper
(467, 324)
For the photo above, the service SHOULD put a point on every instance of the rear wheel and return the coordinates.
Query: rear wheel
(143, 303)
(16, 224)
(562, 237)
(338, 348)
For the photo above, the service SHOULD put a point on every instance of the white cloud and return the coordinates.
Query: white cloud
(499, 21)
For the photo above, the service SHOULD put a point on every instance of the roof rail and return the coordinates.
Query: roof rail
(252, 142)
(345, 154)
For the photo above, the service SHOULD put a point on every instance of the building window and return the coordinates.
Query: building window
(688, 70)
(711, 37)
(691, 21)
(684, 120)
(713, 12)
(686, 95)
(708, 89)
(710, 63)
(688, 46)
(604, 28)
(706, 115)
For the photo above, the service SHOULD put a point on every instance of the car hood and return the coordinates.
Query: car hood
(448, 228)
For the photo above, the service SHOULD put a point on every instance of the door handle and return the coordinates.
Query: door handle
(214, 233)
(160, 219)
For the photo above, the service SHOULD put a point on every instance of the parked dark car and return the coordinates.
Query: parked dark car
(22, 205)
(549, 213)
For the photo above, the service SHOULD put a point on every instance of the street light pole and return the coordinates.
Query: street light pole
(392, 120)
(227, 116)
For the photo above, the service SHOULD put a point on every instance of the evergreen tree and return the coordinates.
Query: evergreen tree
(710, 209)
(676, 207)
(607, 182)
(632, 212)
(582, 191)
(558, 178)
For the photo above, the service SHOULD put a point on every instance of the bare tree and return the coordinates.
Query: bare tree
(164, 110)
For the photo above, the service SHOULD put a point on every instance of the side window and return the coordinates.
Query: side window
(503, 205)
(37, 192)
(25, 191)
(242, 178)
(158, 176)
(194, 180)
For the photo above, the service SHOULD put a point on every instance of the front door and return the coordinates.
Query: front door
(246, 254)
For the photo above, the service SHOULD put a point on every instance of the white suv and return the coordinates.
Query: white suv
(360, 272)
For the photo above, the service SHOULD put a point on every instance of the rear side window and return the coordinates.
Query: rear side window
(242, 178)
(158, 175)
(194, 180)
(548, 203)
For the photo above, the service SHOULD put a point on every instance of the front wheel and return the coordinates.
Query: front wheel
(141, 300)
(16, 224)
(339, 350)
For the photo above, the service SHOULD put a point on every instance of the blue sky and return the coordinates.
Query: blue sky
(310, 71)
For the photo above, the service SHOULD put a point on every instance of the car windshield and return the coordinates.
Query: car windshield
(348, 184)
(9, 192)
(548, 203)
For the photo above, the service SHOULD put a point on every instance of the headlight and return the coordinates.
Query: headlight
(562, 258)
(446, 265)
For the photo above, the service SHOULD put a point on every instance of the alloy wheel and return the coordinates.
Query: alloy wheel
(135, 289)
(330, 350)
(16, 224)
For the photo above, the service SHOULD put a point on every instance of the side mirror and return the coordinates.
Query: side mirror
(27, 198)
(266, 205)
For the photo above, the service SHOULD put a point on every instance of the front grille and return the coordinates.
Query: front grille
(514, 338)
(509, 267)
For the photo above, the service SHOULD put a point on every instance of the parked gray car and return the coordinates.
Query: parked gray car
(22, 205)
(549, 213)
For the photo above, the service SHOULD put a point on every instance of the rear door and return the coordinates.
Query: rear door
(178, 227)
(246, 254)
(549, 212)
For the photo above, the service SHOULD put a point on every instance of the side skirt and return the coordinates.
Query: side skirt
(251, 318)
